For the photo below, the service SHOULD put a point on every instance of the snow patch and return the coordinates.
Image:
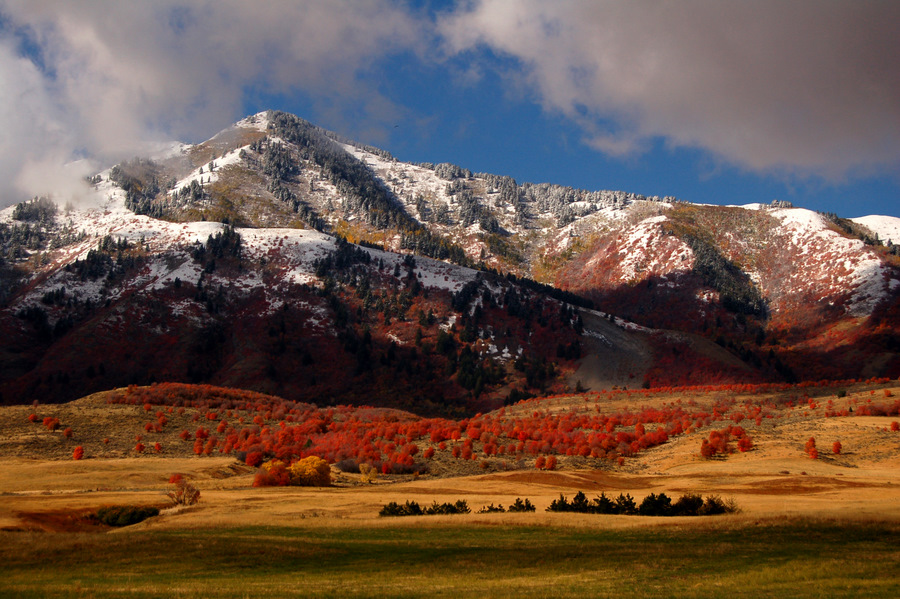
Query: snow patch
(886, 227)
(828, 263)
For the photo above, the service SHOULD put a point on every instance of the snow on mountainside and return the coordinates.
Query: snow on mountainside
(830, 266)
(228, 259)
(297, 249)
(887, 227)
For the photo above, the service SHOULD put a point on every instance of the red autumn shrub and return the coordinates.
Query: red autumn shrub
(810, 448)
(550, 464)
(51, 423)
(539, 462)
(157, 447)
(185, 435)
(67, 433)
(273, 473)
(254, 459)
(139, 448)
(895, 426)
(836, 448)
(33, 417)
(78, 453)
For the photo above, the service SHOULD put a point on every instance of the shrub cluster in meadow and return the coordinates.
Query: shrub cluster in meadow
(310, 471)
(125, 515)
(411, 508)
(517, 506)
(719, 442)
(652, 505)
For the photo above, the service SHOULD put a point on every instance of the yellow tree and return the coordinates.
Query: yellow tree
(311, 471)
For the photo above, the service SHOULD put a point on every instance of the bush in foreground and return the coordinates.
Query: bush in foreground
(411, 508)
(182, 492)
(125, 515)
(652, 505)
(521, 506)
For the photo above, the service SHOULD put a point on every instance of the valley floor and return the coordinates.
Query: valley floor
(806, 527)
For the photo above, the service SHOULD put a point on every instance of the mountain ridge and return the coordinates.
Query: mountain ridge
(236, 257)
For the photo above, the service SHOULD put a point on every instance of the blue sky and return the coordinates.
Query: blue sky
(725, 103)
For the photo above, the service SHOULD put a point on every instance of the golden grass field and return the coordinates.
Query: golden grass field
(806, 527)
(43, 488)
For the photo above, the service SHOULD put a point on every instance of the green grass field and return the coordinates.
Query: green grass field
(805, 559)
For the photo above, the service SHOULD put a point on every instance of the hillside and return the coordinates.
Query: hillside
(279, 257)
(624, 441)
(801, 482)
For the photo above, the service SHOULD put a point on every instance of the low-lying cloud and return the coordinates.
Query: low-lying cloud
(113, 76)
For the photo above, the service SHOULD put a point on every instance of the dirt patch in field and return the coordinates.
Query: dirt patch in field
(59, 521)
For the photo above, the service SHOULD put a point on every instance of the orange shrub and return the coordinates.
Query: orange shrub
(311, 471)
(78, 453)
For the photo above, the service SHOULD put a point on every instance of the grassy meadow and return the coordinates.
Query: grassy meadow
(717, 558)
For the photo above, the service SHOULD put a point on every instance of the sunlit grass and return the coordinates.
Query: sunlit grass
(786, 559)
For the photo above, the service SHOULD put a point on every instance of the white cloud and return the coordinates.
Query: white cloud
(802, 87)
(120, 74)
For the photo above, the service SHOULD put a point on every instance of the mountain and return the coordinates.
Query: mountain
(282, 258)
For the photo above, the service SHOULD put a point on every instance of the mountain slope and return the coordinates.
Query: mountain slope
(226, 262)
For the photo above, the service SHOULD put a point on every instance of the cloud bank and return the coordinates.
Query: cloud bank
(809, 87)
(101, 79)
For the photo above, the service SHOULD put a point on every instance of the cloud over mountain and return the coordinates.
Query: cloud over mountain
(101, 78)
(805, 87)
